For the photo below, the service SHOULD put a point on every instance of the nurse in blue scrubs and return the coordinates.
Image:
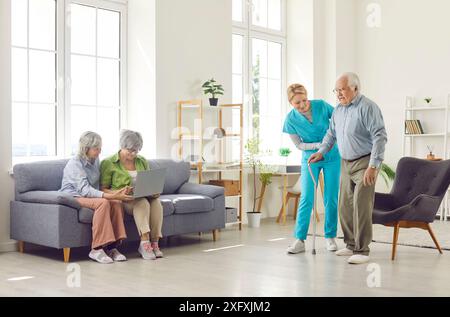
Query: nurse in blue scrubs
(307, 123)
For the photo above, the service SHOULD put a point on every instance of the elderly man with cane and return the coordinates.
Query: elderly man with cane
(357, 127)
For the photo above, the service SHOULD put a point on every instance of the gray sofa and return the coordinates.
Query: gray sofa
(41, 215)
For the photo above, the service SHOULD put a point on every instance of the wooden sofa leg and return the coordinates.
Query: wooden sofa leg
(395, 239)
(21, 246)
(215, 234)
(434, 238)
(66, 255)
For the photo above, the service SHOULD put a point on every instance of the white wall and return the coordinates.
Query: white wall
(300, 43)
(141, 108)
(193, 44)
(5, 124)
(407, 55)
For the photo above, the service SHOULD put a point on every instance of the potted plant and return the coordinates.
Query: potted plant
(214, 89)
(285, 152)
(428, 100)
(387, 173)
(252, 158)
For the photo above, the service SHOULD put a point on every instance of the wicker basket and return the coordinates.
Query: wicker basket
(231, 186)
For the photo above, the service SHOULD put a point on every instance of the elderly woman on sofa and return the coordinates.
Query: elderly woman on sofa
(81, 179)
(118, 173)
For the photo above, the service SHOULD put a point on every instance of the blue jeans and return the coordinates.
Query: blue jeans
(331, 173)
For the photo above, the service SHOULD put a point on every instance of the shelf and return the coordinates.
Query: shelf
(190, 106)
(221, 170)
(425, 108)
(190, 137)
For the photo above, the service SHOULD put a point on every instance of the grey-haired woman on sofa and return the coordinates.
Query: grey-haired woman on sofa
(119, 172)
(81, 179)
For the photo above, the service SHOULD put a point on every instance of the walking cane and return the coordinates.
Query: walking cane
(314, 209)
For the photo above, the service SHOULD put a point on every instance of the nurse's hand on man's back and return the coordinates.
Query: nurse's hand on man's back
(316, 157)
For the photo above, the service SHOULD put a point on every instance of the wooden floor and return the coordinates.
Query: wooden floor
(252, 263)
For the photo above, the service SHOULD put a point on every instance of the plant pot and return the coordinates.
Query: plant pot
(213, 102)
(254, 219)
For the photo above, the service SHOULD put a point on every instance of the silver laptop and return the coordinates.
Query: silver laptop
(149, 183)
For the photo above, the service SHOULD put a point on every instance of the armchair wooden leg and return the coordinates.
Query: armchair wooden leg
(395, 239)
(215, 234)
(21, 246)
(66, 255)
(434, 238)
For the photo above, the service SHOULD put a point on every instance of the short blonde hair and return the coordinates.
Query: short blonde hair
(296, 89)
(88, 140)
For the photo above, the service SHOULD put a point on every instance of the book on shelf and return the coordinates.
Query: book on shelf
(413, 127)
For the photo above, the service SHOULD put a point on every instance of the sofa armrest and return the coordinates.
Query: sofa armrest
(384, 202)
(50, 198)
(200, 189)
(425, 206)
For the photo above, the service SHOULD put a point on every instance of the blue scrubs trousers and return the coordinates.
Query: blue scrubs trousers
(331, 173)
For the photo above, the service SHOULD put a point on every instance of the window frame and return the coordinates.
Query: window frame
(63, 60)
(249, 32)
(108, 5)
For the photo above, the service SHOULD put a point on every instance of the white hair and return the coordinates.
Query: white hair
(131, 140)
(353, 80)
(88, 140)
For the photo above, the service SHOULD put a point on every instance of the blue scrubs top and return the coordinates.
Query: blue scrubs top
(314, 132)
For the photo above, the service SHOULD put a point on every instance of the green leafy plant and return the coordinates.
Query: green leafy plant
(213, 88)
(253, 156)
(387, 173)
(285, 151)
(428, 100)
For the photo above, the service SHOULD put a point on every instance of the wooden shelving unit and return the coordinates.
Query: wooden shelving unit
(221, 167)
(409, 147)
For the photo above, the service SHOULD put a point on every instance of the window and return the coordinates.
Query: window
(258, 67)
(67, 66)
(34, 76)
(95, 55)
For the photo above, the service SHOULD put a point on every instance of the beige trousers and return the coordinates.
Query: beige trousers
(148, 216)
(356, 206)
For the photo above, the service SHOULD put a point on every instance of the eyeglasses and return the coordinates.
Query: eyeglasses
(131, 151)
(340, 90)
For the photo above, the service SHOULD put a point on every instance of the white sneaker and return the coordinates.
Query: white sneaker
(344, 252)
(358, 259)
(331, 245)
(146, 250)
(297, 247)
(100, 256)
(116, 255)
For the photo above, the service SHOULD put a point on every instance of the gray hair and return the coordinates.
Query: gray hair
(88, 140)
(353, 81)
(131, 140)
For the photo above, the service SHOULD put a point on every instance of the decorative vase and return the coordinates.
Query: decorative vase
(213, 102)
(254, 219)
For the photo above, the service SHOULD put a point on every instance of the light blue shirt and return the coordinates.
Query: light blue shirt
(358, 130)
(82, 178)
(311, 132)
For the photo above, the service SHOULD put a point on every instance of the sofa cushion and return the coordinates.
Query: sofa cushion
(178, 173)
(168, 207)
(186, 204)
(85, 215)
(49, 197)
(39, 176)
